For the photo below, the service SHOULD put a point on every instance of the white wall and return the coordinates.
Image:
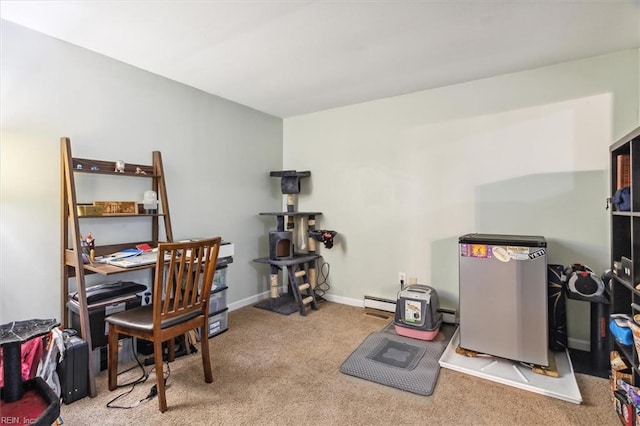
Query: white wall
(217, 157)
(402, 178)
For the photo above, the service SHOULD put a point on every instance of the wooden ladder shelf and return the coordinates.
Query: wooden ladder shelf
(71, 241)
(301, 288)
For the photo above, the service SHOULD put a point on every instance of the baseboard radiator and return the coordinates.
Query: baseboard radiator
(372, 302)
(379, 303)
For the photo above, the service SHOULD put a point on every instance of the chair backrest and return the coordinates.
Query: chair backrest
(183, 283)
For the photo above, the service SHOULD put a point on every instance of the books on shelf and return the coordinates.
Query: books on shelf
(623, 171)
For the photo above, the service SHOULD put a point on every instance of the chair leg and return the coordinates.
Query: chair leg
(112, 357)
(185, 343)
(171, 349)
(157, 355)
(204, 349)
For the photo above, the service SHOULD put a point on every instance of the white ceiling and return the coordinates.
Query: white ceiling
(293, 57)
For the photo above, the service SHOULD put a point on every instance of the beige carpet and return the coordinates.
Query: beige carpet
(271, 369)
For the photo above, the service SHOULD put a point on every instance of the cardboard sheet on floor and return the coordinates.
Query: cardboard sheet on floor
(513, 373)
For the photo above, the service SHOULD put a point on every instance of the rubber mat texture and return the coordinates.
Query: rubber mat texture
(408, 364)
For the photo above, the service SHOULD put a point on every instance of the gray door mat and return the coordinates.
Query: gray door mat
(397, 361)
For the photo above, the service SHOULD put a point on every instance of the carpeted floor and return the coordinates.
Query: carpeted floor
(271, 369)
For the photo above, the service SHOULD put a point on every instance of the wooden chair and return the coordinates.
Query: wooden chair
(181, 292)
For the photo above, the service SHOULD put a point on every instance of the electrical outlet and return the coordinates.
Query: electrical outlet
(402, 277)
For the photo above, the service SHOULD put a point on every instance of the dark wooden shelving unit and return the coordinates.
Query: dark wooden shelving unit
(625, 239)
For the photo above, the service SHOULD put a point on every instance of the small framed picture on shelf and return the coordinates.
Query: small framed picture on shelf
(117, 207)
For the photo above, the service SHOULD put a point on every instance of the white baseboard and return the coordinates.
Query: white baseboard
(344, 300)
(581, 345)
(248, 301)
(449, 315)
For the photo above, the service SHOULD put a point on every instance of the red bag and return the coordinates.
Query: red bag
(31, 352)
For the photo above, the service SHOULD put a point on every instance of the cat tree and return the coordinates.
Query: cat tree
(298, 266)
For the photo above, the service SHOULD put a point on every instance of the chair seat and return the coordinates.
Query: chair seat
(141, 318)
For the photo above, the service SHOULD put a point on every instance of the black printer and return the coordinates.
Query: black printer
(102, 301)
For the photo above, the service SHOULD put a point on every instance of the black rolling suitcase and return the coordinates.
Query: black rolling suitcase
(73, 370)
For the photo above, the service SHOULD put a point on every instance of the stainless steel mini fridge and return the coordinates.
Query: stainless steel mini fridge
(503, 296)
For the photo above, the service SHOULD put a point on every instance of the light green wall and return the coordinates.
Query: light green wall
(402, 178)
(217, 156)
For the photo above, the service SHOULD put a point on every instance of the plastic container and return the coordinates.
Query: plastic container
(219, 279)
(417, 313)
(218, 300)
(218, 323)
